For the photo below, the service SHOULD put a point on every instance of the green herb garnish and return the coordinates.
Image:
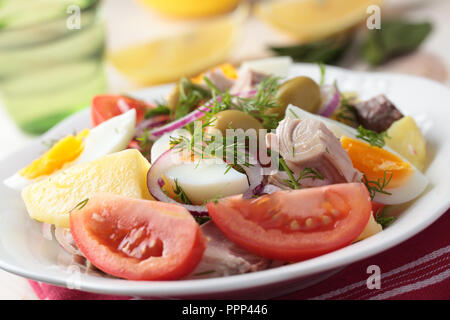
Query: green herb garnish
(80, 205)
(394, 38)
(159, 110)
(295, 183)
(377, 186)
(383, 219)
(204, 273)
(180, 195)
(328, 51)
(322, 73)
(190, 96)
(375, 139)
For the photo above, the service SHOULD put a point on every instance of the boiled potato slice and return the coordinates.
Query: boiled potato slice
(407, 139)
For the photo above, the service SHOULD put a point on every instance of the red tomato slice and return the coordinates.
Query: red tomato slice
(138, 239)
(106, 106)
(295, 225)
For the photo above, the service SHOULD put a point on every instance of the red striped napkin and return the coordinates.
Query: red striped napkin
(416, 269)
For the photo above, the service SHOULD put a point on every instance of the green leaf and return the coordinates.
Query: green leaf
(328, 51)
(159, 110)
(395, 37)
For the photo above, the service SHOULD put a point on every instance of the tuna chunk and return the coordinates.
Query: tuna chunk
(308, 143)
(222, 257)
(377, 114)
(247, 81)
(217, 78)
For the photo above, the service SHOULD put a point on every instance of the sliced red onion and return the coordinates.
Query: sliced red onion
(180, 123)
(191, 117)
(255, 177)
(47, 231)
(167, 160)
(151, 123)
(65, 239)
(331, 97)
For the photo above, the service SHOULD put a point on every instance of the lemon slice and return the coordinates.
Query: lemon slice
(310, 20)
(191, 8)
(168, 59)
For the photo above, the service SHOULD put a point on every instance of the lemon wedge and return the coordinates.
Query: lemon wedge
(310, 20)
(187, 54)
(187, 9)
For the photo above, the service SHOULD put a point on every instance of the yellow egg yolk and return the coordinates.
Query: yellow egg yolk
(227, 69)
(64, 151)
(374, 162)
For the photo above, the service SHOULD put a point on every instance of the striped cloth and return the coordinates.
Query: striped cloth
(416, 269)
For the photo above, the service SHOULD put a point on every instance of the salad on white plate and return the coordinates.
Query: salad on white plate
(236, 171)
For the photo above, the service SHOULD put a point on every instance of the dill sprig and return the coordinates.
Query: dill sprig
(257, 106)
(180, 195)
(322, 73)
(383, 219)
(295, 183)
(190, 95)
(373, 138)
(377, 186)
(80, 205)
(160, 109)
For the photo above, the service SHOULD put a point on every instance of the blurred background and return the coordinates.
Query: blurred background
(56, 54)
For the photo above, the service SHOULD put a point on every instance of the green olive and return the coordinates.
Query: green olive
(234, 119)
(302, 92)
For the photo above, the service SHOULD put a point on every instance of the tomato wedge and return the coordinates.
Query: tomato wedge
(138, 239)
(106, 106)
(295, 225)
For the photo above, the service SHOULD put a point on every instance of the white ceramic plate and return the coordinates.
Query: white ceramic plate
(24, 251)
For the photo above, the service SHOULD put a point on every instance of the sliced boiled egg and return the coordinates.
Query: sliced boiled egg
(163, 143)
(278, 66)
(338, 129)
(400, 180)
(62, 152)
(109, 137)
(206, 179)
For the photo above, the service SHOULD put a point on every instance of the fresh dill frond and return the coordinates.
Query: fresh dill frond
(373, 138)
(160, 109)
(377, 186)
(295, 183)
(190, 95)
(180, 195)
(80, 205)
(382, 218)
(322, 73)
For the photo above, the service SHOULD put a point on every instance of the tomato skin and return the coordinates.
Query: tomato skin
(265, 226)
(171, 246)
(106, 106)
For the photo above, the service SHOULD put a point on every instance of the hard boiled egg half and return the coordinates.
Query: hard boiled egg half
(110, 136)
(380, 165)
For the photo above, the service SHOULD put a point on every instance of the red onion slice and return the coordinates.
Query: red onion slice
(65, 239)
(47, 231)
(331, 98)
(191, 117)
(180, 123)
